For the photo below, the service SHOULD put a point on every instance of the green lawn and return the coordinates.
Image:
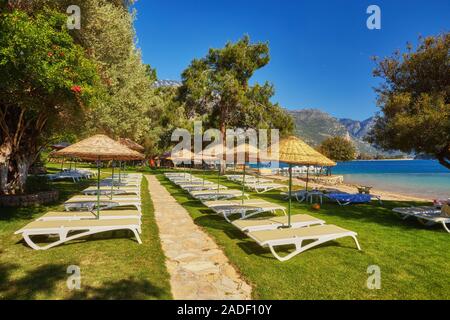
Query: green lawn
(113, 265)
(414, 260)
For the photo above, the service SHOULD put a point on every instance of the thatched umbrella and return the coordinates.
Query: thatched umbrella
(293, 150)
(100, 148)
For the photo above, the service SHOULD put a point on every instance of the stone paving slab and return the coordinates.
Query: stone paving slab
(198, 268)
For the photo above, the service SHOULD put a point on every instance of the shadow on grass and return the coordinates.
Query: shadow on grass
(40, 280)
(44, 280)
(127, 289)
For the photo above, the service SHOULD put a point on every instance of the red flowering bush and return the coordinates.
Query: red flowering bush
(76, 89)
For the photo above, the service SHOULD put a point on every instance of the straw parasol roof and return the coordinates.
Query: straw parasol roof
(130, 144)
(293, 150)
(99, 147)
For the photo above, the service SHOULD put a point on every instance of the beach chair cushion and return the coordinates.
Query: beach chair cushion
(350, 198)
(258, 224)
(86, 215)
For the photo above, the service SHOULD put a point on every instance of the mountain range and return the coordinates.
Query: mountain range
(314, 126)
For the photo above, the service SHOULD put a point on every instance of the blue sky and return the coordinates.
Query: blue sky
(320, 50)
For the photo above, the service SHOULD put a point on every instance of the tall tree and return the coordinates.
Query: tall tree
(338, 149)
(415, 100)
(45, 82)
(218, 86)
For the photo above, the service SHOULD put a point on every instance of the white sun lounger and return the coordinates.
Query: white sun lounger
(273, 223)
(90, 202)
(246, 209)
(195, 182)
(291, 236)
(200, 187)
(216, 195)
(122, 183)
(426, 215)
(82, 228)
(115, 191)
(264, 187)
(88, 215)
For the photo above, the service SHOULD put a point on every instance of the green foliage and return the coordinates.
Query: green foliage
(415, 100)
(40, 65)
(338, 149)
(218, 86)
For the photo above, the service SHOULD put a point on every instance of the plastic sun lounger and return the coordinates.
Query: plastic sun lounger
(122, 183)
(264, 187)
(246, 209)
(195, 182)
(90, 202)
(174, 174)
(115, 191)
(87, 215)
(200, 187)
(291, 236)
(344, 199)
(216, 195)
(426, 215)
(259, 224)
(82, 228)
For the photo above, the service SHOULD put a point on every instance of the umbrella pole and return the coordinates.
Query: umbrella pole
(120, 172)
(112, 181)
(204, 172)
(218, 176)
(98, 189)
(243, 185)
(307, 178)
(290, 195)
(62, 164)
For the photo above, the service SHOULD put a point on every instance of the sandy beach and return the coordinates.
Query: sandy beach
(385, 195)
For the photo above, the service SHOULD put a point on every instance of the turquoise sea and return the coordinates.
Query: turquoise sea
(422, 178)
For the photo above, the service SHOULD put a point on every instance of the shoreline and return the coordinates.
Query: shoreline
(350, 188)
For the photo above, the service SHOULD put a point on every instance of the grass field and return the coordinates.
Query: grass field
(414, 260)
(113, 266)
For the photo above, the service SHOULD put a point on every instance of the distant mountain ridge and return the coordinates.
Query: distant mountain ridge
(314, 126)
(166, 83)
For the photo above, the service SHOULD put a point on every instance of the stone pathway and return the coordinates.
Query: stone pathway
(198, 268)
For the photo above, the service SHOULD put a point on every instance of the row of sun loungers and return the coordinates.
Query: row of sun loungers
(259, 185)
(74, 175)
(69, 225)
(271, 231)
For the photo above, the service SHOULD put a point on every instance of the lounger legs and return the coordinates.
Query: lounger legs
(299, 248)
(63, 237)
(445, 227)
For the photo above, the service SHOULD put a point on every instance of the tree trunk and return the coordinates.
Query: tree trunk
(223, 132)
(18, 171)
(444, 160)
(444, 156)
(5, 154)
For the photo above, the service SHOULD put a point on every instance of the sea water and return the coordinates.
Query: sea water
(421, 178)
